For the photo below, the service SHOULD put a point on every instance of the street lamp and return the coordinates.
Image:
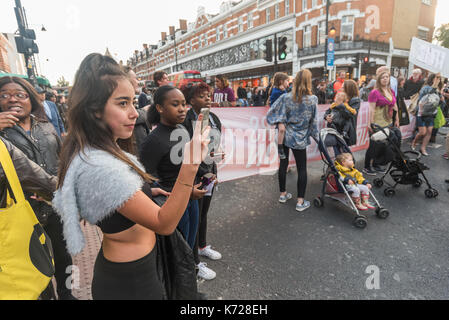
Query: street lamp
(329, 33)
(376, 39)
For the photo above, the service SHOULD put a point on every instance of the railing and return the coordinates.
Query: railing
(346, 45)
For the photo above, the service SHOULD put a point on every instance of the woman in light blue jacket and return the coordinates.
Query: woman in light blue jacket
(297, 111)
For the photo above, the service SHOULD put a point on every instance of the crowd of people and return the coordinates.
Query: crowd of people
(109, 155)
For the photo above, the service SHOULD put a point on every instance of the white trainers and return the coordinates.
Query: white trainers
(211, 254)
(205, 273)
(284, 199)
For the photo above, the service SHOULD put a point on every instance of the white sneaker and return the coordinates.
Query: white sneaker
(205, 273)
(211, 254)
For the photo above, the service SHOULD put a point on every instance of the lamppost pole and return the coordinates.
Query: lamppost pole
(327, 37)
(23, 25)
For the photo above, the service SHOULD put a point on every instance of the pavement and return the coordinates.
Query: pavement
(270, 251)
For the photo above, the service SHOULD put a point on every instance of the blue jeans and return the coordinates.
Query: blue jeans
(189, 223)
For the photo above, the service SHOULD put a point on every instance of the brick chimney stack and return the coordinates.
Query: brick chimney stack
(183, 24)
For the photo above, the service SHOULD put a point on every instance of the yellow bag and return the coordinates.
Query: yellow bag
(26, 263)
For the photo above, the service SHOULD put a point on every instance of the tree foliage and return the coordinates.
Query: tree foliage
(442, 35)
(62, 82)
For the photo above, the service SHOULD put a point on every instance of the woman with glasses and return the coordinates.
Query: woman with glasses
(38, 140)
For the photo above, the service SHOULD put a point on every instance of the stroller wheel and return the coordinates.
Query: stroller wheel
(360, 222)
(378, 183)
(418, 183)
(318, 203)
(382, 213)
(390, 192)
(431, 193)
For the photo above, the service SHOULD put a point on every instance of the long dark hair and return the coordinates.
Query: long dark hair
(153, 116)
(37, 109)
(95, 81)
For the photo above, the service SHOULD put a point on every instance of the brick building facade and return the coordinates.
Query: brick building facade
(232, 42)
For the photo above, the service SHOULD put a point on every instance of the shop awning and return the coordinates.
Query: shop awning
(42, 81)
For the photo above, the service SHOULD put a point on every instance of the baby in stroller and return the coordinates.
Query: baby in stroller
(354, 181)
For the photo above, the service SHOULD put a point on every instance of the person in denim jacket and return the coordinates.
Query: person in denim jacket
(297, 111)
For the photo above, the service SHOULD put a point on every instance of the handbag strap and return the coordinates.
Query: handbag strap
(11, 174)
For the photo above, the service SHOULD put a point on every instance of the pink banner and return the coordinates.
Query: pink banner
(250, 145)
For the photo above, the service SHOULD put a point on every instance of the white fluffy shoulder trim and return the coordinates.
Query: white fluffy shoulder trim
(95, 186)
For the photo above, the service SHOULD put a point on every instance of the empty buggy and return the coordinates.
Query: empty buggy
(405, 169)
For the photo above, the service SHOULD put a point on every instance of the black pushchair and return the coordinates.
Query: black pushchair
(333, 188)
(405, 168)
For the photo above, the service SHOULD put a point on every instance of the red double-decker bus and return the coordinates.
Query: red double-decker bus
(181, 78)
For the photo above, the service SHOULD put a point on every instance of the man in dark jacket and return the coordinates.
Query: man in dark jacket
(51, 110)
(143, 98)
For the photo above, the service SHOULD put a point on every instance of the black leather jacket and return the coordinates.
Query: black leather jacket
(32, 177)
(42, 147)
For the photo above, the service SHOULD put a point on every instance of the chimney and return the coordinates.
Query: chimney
(164, 36)
(145, 46)
(172, 30)
(183, 25)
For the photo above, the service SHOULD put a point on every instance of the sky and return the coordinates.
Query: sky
(76, 28)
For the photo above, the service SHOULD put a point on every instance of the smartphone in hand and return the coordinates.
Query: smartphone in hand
(205, 112)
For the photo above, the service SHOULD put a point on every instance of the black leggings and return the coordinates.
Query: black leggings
(63, 259)
(204, 205)
(301, 166)
(136, 280)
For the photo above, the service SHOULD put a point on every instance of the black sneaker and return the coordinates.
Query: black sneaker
(369, 171)
(379, 169)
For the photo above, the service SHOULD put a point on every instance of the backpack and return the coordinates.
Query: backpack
(330, 93)
(429, 104)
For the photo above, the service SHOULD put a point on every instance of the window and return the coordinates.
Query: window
(250, 20)
(321, 38)
(276, 11)
(428, 2)
(304, 5)
(268, 14)
(287, 7)
(423, 34)
(203, 36)
(240, 22)
(314, 3)
(218, 34)
(307, 36)
(199, 42)
(225, 31)
(347, 28)
(188, 46)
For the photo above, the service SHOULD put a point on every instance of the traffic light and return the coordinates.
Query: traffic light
(356, 60)
(25, 43)
(26, 46)
(268, 53)
(365, 59)
(282, 48)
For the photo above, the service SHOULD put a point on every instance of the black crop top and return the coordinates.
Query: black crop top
(117, 223)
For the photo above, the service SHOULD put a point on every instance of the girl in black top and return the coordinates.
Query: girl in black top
(162, 151)
(198, 97)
